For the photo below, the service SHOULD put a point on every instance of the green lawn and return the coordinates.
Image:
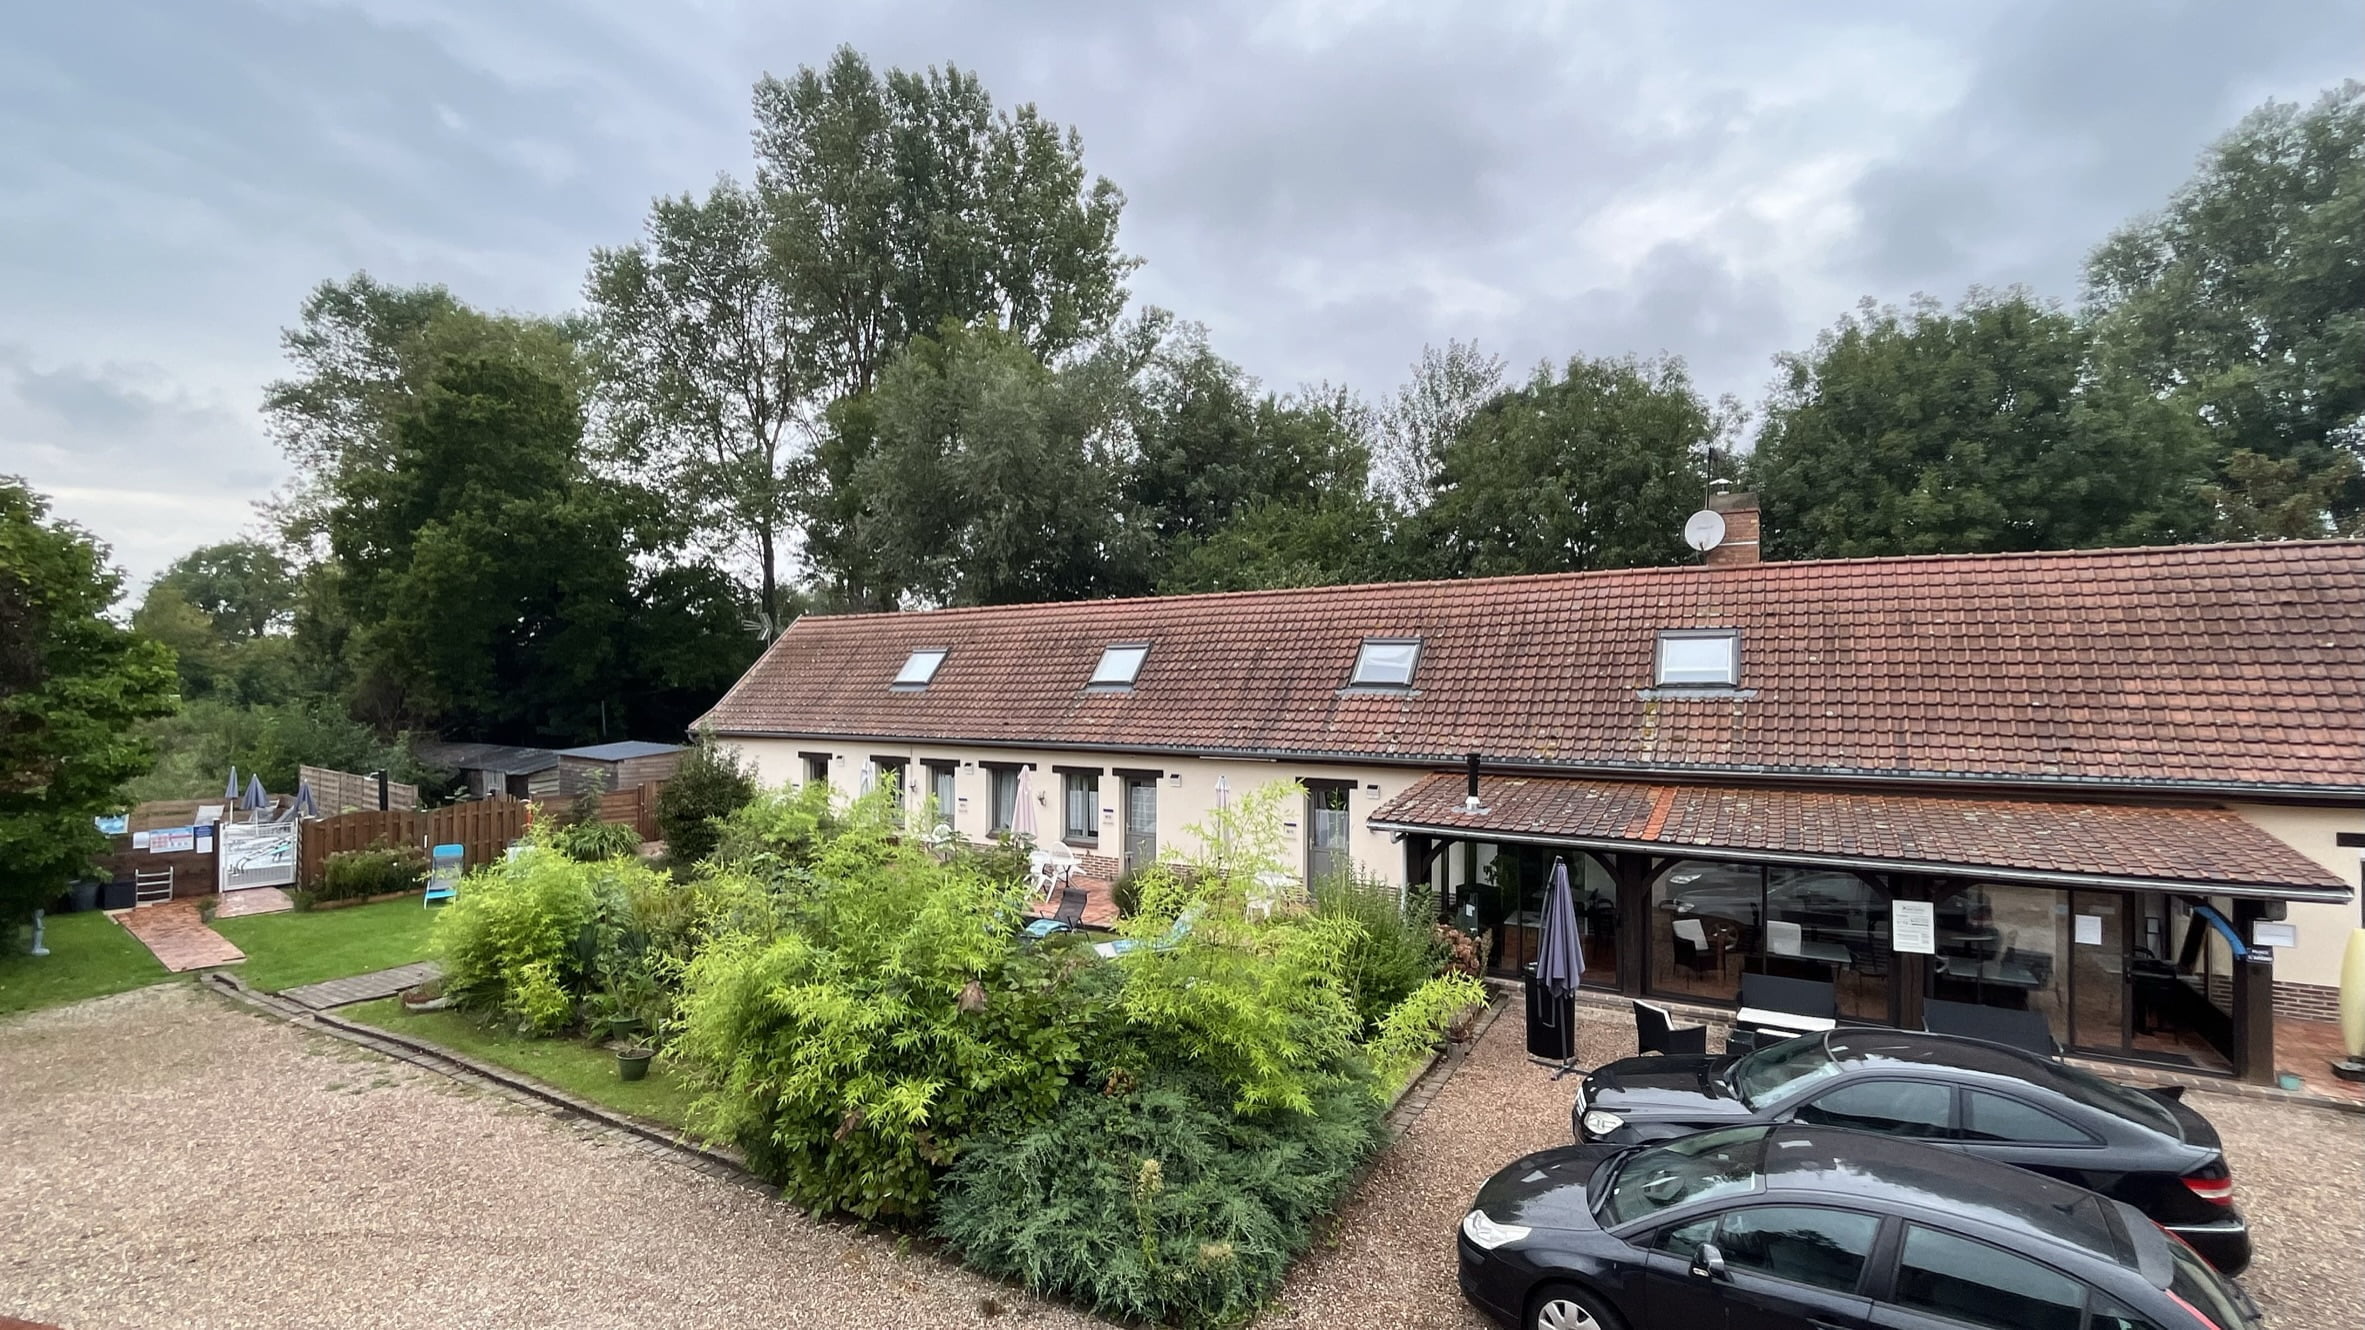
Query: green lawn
(582, 1069)
(306, 947)
(89, 956)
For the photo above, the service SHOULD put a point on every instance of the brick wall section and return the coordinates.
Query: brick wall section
(2307, 1002)
(1741, 526)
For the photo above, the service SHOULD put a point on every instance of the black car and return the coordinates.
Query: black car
(1792, 1228)
(2146, 1148)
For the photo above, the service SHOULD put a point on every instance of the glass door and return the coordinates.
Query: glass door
(2005, 946)
(1326, 831)
(2099, 948)
(1141, 822)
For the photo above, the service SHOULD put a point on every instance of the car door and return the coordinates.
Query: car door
(2012, 1130)
(1763, 1267)
(1945, 1281)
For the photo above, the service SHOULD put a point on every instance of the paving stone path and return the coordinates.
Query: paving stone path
(178, 936)
(362, 987)
(249, 900)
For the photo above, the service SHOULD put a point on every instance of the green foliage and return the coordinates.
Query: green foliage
(74, 686)
(269, 740)
(1397, 951)
(1158, 1204)
(531, 935)
(1411, 1027)
(711, 783)
(1343, 537)
(853, 1053)
(1980, 429)
(378, 871)
(592, 840)
(2244, 299)
(1595, 468)
(777, 832)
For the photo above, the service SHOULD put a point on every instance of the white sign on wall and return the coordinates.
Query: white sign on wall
(1913, 926)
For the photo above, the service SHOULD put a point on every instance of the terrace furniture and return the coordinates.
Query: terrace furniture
(151, 886)
(1655, 1031)
(1038, 929)
(2013, 1027)
(1784, 938)
(1777, 1007)
(1071, 907)
(1693, 951)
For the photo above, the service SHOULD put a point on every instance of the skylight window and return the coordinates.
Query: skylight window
(1386, 662)
(1700, 659)
(1119, 665)
(919, 668)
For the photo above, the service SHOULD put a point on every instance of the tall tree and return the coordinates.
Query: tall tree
(74, 686)
(993, 478)
(705, 379)
(1593, 468)
(2245, 298)
(1977, 429)
(1414, 425)
(498, 586)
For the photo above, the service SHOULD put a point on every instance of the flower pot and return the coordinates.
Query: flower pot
(632, 1064)
(620, 1027)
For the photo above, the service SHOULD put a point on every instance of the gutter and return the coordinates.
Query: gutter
(2038, 877)
(2267, 792)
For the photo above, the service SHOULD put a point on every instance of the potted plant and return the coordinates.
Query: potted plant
(425, 997)
(632, 1061)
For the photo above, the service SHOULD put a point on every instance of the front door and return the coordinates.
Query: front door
(1141, 822)
(1326, 831)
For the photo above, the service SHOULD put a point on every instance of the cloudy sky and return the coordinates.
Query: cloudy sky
(1327, 184)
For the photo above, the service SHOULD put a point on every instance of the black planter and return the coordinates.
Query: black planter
(116, 896)
(86, 895)
(632, 1064)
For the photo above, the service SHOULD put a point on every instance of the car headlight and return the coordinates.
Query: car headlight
(1601, 1122)
(1489, 1234)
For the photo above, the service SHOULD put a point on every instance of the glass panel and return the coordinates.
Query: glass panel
(2200, 1285)
(1083, 807)
(1684, 1240)
(1385, 664)
(1696, 1168)
(1597, 918)
(1831, 927)
(1141, 823)
(1895, 1108)
(1975, 1283)
(2000, 946)
(942, 777)
(1119, 665)
(919, 668)
(1326, 832)
(1995, 1117)
(2181, 989)
(1005, 798)
(816, 769)
(2111, 1314)
(1825, 1248)
(1698, 660)
(2098, 969)
(1705, 918)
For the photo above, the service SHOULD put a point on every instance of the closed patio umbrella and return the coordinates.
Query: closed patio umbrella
(1559, 968)
(256, 801)
(1022, 818)
(230, 790)
(306, 804)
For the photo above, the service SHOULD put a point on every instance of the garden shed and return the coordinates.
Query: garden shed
(617, 766)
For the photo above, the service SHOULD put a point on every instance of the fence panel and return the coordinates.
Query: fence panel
(635, 807)
(484, 828)
(343, 791)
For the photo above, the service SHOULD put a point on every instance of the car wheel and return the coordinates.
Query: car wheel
(1563, 1307)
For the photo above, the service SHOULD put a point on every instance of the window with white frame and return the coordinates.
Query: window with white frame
(919, 668)
(1700, 658)
(1080, 800)
(1119, 665)
(1386, 662)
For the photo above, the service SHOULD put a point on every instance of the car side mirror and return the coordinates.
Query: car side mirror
(1708, 1262)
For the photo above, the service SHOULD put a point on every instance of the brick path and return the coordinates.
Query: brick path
(178, 936)
(362, 987)
(250, 900)
(1100, 903)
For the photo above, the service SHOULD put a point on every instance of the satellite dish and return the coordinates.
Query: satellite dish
(1704, 530)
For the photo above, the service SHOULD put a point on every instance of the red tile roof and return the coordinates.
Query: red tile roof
(2184, 846)
(2217, 666)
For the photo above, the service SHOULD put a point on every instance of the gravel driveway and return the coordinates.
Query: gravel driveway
(2299, 1174)
(172, 1161)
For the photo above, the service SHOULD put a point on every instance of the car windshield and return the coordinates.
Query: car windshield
(1696, 1168)
(2203, 1289)
(1771, 1075)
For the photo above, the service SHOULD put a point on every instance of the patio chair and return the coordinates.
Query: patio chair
(1655, 1031)
(1692, 951)
(1071, 906)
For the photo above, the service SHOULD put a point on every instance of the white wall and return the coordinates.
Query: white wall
(2323, 929)
(1185, 796)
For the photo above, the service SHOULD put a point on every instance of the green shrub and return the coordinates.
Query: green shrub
(1125, 892)
(528, 935)
(1158, 1204)
(1398, 949)
(710, 784)
(852, 1053)
(378, 871)
(777, 831)
(593, 840)
(1412, 1027)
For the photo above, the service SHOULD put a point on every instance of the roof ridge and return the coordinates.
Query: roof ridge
(2276, 548)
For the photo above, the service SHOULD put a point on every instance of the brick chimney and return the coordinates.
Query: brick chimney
(1740, 530)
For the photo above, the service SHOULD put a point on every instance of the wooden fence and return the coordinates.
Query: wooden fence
(635, 808)
(485, 827)
(342, 791)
